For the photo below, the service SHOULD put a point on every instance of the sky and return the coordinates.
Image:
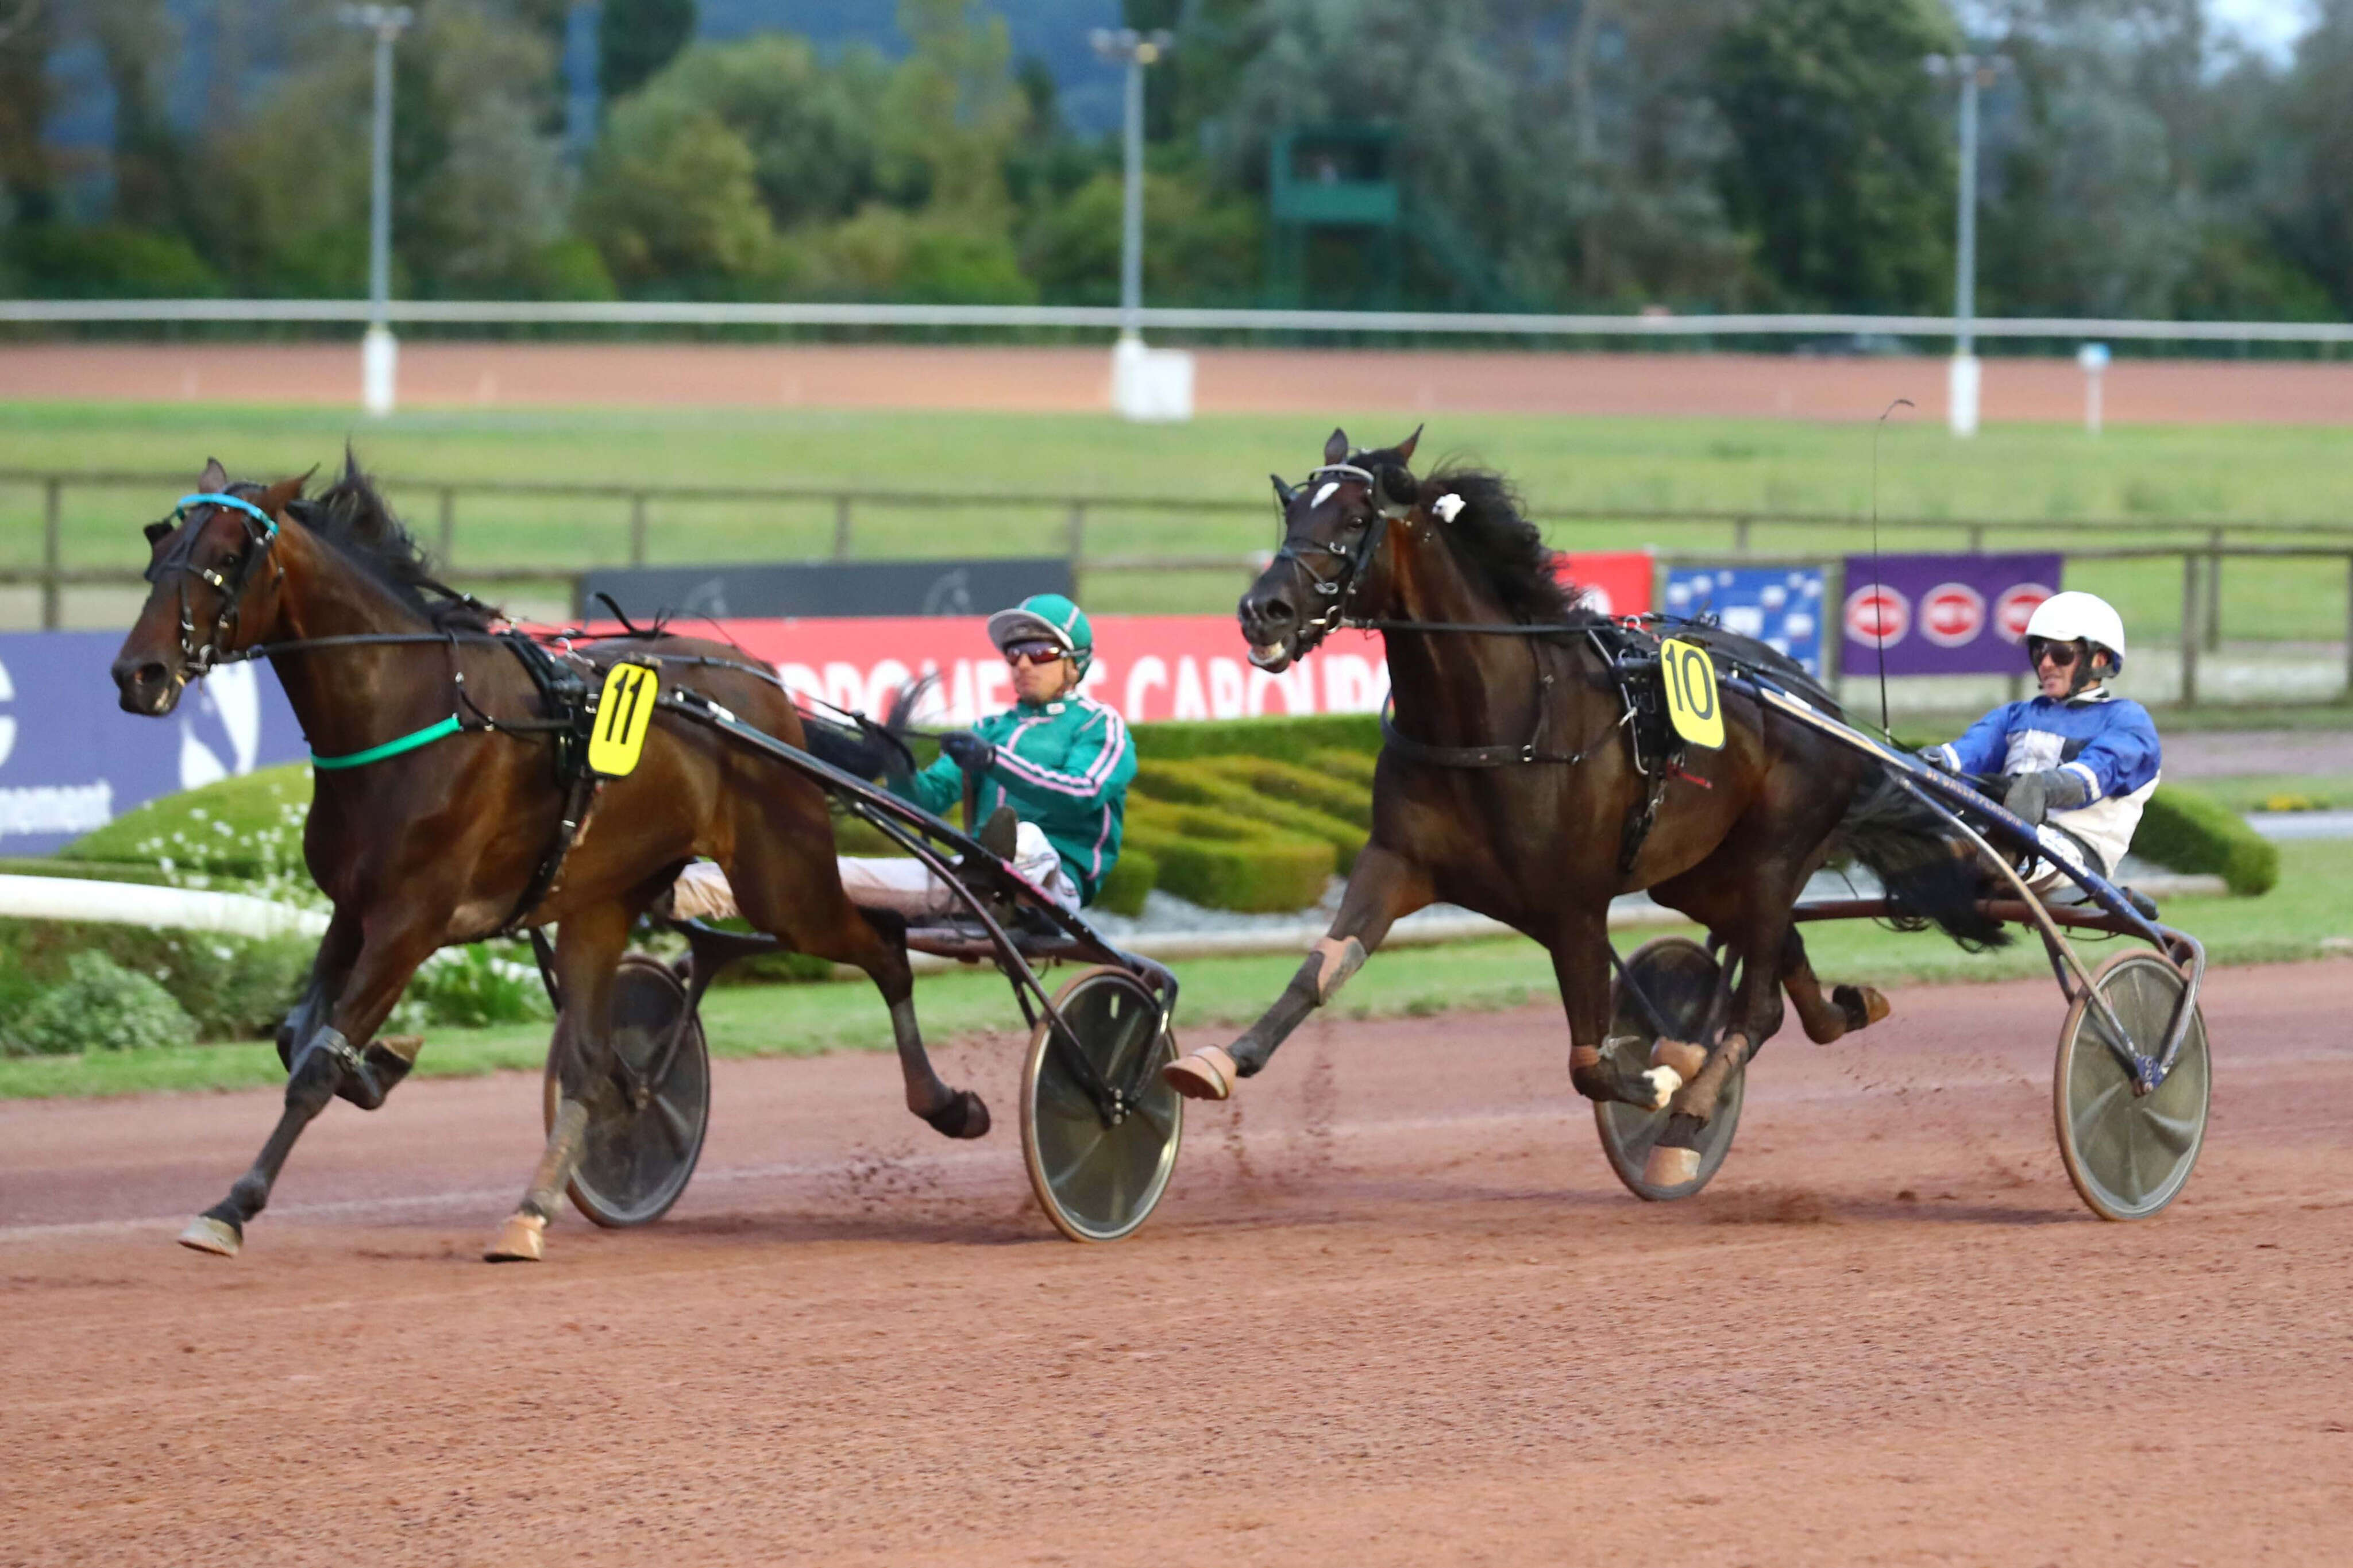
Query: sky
(2269, 28)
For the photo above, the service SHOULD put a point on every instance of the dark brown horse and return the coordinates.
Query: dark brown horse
(1508, 784)
(444, 842)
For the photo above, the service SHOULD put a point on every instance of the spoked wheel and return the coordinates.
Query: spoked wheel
(636, 1162)
(1098, 1126)
(2130, 1154)
(1680, 979)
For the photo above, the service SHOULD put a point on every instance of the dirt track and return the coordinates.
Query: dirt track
(446, 375)
(1394, 1312)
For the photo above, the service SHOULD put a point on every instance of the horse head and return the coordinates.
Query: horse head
(1339, 517)
(208, 595)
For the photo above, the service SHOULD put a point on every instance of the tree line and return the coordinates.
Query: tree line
(1549, 154)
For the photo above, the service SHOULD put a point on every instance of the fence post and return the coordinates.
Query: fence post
(51, 492)
(1977, 540)
(1740, 536)
(449, 526)
(637, 529)
(2215, 592)
(2189, 628)
(841, 526)
(2348, 628)
(1074, 544)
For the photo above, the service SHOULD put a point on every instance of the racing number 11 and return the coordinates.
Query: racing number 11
(1689, 676)
(625, 711)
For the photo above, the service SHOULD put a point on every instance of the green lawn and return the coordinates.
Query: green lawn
(2249, 472)
(2311, 903)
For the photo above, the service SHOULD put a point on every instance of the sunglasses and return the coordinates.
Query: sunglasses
(1034, 653)
(2062, 654)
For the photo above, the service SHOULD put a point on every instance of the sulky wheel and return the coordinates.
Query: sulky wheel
(2129, 1155)
(1098, 1126)
(636, 1162)
(1680, 979)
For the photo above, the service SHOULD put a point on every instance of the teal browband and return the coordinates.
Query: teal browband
(408, 742)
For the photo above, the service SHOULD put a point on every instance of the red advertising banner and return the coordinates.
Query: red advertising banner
(1147, 667)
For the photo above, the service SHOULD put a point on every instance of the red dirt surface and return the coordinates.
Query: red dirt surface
(435, 373)
(1395, 1311)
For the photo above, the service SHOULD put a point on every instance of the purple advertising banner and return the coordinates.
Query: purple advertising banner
(1943, 615)
(71, 761)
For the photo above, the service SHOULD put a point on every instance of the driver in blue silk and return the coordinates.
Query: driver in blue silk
(2081, 761)
(1052, 773)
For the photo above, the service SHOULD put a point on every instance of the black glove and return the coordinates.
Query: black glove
(2033, 796)
(971, 753)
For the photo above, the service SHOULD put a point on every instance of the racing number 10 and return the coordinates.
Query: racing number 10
(1689, 676)
(625, 711)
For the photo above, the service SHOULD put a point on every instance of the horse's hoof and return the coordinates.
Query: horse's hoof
(1682, 1058)
(965, 1116)
(217, 1236)
(1862, 1006)
(1209, 1073)
(1669, 1167)
(523, 1239)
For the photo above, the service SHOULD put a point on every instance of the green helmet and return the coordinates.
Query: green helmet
(1047, 618)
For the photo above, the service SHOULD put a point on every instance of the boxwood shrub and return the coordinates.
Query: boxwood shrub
(2186, 831)
(1228, 862)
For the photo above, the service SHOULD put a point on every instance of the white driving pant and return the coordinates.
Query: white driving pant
(884, 883)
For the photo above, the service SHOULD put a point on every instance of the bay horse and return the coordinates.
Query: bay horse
(1505, 784)
(438, 809)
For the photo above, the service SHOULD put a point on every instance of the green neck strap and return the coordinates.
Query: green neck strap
(408, 742)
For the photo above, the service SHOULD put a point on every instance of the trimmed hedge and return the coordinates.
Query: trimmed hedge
(1135, 873)
(1203, 783)
(1356, 768)
(1283, 739)
(1342, 798)
(2186, 831)
(1231, 863)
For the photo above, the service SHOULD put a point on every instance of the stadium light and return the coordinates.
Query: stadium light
(379, 352)
(1974, 71)
(1144, 384)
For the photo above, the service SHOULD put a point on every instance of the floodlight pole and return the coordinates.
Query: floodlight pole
(379, 351)
(1975, 71)
(1125, 45)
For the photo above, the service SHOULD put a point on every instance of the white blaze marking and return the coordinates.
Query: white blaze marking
(1326, 493)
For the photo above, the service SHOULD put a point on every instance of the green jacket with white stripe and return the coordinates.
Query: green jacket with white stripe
(1065, 766)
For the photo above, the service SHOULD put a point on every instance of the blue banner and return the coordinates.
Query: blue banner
(1780, 606)
(72, 760)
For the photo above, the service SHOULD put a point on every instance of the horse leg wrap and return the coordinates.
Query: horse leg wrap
(523, 1238)
(1673, 1160)
(1335, 961)
(1697, 1099)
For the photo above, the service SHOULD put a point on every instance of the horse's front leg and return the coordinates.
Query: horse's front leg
(1383, 886)
(357, 977)
(588, 948)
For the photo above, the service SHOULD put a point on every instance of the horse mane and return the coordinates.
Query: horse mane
(351, 515)
(1502, 549)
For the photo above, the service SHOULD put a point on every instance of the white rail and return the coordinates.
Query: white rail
(1106, 318)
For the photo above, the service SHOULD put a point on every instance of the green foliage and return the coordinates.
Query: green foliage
(2186, 831)
(248, 828)
(98, 1006)
(1354, 767)
(670, 199)
(1203, 783)
(470, 988)
(1133, 876)
(235, 987)
(107, 261)
(1842, 165)
(1280, 738)
(634, 38)
(1229, 863)
(1344, 795)
(1199, 248)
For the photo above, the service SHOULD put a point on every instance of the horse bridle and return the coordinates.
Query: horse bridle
(1339, 590)
(261, 534)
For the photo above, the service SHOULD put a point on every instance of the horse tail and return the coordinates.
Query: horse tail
(1929, 871)
(865, 747)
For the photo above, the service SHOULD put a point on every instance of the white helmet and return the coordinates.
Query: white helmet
(2072, 615)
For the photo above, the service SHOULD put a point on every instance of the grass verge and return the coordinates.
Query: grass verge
(2311, 903)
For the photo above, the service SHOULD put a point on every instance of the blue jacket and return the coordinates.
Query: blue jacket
(2109, 743)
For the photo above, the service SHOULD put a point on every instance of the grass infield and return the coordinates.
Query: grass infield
(2248, 473)
(2309, 906)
